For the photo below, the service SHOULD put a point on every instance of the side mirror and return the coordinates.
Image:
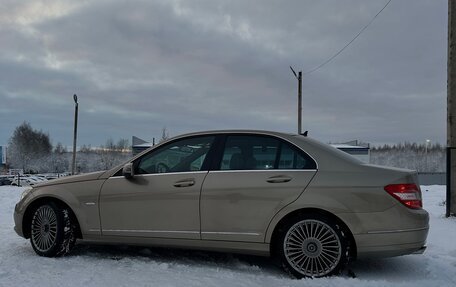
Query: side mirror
(128, 171)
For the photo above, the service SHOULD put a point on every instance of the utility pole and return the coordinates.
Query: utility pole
(426, 163)
(451, 111)
(73, 164)
(299, 78)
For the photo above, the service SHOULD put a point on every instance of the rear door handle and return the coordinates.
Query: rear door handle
(279, 179)
(184, 183)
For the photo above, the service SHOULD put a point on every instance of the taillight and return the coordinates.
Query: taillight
(408, 194)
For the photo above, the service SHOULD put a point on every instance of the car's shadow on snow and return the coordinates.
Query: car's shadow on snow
(199, 259)
(405, 268)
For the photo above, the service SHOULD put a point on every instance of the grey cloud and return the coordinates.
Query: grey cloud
(215, 64)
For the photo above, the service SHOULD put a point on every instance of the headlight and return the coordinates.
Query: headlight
(26, 192)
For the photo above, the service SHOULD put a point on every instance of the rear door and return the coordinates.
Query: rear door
(254, 177)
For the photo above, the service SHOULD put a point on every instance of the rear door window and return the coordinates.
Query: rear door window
(292, 158)
(249, 153)
(256, 152)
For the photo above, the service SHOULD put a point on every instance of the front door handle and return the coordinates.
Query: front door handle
(184, 183)
(279, 179)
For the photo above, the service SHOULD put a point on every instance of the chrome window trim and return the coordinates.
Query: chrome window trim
(164, 173)
(172, 173)
(215, 133)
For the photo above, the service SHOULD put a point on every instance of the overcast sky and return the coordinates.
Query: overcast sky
(138, 66)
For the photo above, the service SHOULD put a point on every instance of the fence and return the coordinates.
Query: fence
(432, 178)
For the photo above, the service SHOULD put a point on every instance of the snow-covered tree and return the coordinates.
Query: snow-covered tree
(60, 159)
(164, 136)
(123, 145)
(420, 157)
(28, 147)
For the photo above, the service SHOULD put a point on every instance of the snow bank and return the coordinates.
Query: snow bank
(134, 266)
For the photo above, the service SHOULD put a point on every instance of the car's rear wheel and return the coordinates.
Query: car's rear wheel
(52, 231)
(313, 246)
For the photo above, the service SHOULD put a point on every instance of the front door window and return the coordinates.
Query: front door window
(179, 156)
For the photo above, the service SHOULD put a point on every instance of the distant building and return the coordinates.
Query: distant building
(2, 157)
(139, 145)
(361, 152)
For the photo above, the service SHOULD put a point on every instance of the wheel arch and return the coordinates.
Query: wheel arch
(28, 214)
(308, 211)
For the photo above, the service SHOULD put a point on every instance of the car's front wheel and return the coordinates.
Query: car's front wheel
(52, 230)
(313, 246)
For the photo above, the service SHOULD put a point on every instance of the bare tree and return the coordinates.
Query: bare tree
(60, 149)
(59, 159)
(27, 148)
(113, 154)
(164, 136)
(123, 145)
(106, 153)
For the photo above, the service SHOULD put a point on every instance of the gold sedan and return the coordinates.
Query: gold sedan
(310, 206)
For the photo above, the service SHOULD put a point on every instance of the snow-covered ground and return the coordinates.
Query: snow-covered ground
(133, 266)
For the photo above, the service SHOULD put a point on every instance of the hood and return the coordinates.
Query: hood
(71, 179)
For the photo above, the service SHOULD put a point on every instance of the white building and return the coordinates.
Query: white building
(2, 156)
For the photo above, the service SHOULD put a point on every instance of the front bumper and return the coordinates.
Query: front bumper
(18, 216)
(421, 250)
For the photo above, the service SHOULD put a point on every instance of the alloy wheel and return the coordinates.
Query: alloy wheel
(312, 248)
(44, 228)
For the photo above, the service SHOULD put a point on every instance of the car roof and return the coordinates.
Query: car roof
(234, 131)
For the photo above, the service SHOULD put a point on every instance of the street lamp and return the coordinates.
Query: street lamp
(299, 78)
(73, 164)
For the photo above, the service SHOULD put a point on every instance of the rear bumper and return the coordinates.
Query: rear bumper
(392, 243)
(396, 231)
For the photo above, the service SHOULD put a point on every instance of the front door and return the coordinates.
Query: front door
(162, 199)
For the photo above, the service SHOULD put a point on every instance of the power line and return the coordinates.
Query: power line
(348, 44)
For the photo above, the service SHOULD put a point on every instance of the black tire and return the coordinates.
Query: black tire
(52, 230)
(312, 245)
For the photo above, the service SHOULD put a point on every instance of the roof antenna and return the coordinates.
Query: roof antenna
(305, 133)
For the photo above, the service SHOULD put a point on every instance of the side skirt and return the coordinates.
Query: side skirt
(259, 249)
